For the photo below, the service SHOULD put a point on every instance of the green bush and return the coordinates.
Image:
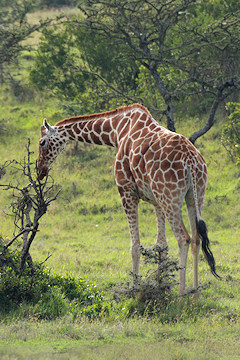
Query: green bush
(51, 305)
(48, 295)
(151, 293)
(231, 132)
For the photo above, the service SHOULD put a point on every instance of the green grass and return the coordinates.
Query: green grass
(87, 234)
(134, 339)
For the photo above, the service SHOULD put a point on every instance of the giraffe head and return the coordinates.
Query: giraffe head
(50, 145)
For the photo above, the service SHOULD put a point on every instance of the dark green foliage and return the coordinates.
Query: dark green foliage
(52, 69)
(231, 132)
(47, 295)
(57, 3)
(70, 61)
(106, 56)
(218, 7)
(162, 54)
(184, 51)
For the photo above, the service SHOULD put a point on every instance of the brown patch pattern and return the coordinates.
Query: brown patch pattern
(152, 164)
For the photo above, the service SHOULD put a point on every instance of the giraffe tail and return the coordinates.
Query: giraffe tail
(202, 229)
(202, 232)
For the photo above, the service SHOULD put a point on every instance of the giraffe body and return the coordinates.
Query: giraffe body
(152, 164)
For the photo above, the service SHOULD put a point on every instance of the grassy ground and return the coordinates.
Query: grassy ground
(87, 234)
(135, 339)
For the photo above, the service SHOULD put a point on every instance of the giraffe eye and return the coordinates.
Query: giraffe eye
(43, 142)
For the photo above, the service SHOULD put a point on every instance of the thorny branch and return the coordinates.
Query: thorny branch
(30, 203)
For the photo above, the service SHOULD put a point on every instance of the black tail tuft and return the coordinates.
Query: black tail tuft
(202, 231)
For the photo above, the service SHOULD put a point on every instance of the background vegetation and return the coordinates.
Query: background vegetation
(69, 309)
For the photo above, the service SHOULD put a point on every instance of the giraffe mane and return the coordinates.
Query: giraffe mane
(107, 113)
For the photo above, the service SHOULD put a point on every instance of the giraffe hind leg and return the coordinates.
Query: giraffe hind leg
(161, 230)
(195, 244)
(183, 239)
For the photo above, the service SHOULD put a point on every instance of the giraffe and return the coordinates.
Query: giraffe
(152, 164)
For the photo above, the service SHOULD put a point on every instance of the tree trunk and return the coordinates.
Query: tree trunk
(221, 94)
(210, 122)
(166, 96)
(25, 252)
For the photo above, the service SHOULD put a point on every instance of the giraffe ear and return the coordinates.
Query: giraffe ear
(48, 126)
(43, 130)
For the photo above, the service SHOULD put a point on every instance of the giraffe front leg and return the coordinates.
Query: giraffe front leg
(161, 236)
(161, 228)
(132, 216)
(130, 204)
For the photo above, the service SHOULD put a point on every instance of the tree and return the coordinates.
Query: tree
(184, 49)
(15, 29)
(231, 132)
(29, 205)
(82, 68)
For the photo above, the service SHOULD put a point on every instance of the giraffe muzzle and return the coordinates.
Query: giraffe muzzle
(42, 173)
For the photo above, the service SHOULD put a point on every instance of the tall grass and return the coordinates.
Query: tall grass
(87, 234)
(86, 231)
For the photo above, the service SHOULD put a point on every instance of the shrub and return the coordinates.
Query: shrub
(152, 291)
(51, 305)
(48, 295)
(231, 132)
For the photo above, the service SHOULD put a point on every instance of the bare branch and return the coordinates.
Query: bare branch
(29, 205)
(49, 255)
(16, 237)
(211, 118)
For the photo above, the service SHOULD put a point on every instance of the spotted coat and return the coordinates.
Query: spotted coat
(152, 164)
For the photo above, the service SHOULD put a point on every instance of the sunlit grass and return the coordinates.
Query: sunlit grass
(133, 339)
(86, 233)
(48, 13)
(82, 230)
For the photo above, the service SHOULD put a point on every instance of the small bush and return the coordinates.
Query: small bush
(151, 292)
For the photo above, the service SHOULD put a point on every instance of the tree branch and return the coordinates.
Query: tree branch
(211, 118)
(30, 205)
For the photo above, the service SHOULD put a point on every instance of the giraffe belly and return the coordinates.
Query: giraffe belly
(145, 193)
(142, 181)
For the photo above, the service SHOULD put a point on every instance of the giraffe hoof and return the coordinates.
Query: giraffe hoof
(193, 291)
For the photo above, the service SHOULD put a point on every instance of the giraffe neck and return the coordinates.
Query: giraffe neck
(103, 129)
(97, 131)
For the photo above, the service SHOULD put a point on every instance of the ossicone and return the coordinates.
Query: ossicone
(48, 126)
